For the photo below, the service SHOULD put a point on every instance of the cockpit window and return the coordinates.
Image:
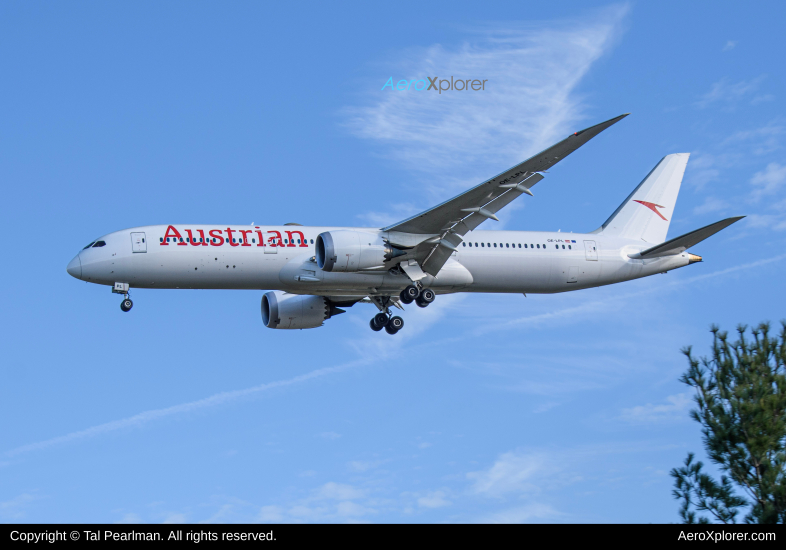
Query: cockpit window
(88, 246)
(99, 244)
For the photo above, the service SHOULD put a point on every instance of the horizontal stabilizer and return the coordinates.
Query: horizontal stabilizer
(684, 242)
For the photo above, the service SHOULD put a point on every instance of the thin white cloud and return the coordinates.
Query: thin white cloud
(530, 98)
(730, 45)
(757, 141)
(710, 204)
(727, 93)
(776, 222)
(271, 514)
(702, 170)
(364, 465)
(523, 514)
(741, 148)
(338, 491)
(513, 472)
(176, 517)
(14, 509)
(674, 409)
(768, 181)
(329, 502)
(130, 517)
(434, 499)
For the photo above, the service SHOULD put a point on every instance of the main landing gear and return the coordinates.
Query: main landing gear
(413, 293)
(383, 320)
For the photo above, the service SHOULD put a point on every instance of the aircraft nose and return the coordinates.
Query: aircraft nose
(74, 267)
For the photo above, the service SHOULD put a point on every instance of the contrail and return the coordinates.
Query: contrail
(379, 352)
(225, 397)
(606, 302)
(156, 414)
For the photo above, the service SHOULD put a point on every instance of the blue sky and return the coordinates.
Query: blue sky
(486, 408)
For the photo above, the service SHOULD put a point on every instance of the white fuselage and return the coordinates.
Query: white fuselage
(281, 258)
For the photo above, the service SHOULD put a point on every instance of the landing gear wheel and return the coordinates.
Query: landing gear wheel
(381, 319)
(390, 330)
(374, 326)
(126, 304)
(395, 324)
(409, 294)
(426, 297)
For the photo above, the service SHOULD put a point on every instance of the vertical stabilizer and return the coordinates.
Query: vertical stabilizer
(646, 213)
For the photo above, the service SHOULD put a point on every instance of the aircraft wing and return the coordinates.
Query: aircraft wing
(680, 244)
(456, 217)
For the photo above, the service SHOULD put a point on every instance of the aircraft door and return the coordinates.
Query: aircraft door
(272, 246)
(138, 243)
(591, 251)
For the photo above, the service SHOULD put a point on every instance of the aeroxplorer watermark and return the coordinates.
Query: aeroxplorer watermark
(439, 86)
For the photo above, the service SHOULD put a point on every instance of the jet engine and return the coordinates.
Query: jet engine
(291, 311)
(349, 251)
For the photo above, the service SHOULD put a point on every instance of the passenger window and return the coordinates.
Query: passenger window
(538, 246)
(569, 247)
(99, 244)
(556, 246)
(312, 241)
(495, 245)
(161, 239)
(463, 244)
(507, 245)
(563, 247)
(143, 240)
(481, 244)
(520, 245)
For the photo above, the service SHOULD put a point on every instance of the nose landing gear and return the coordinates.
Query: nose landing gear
(122, 288)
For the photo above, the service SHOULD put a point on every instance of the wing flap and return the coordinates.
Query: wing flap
(435, 219)
(454, 218)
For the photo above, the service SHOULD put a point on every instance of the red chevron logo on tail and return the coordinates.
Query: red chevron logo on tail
(652, 206)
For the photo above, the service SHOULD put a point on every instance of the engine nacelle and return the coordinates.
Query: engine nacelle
(294, 311)
(350, 251)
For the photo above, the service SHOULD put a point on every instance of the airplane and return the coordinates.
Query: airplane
(314, 272)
